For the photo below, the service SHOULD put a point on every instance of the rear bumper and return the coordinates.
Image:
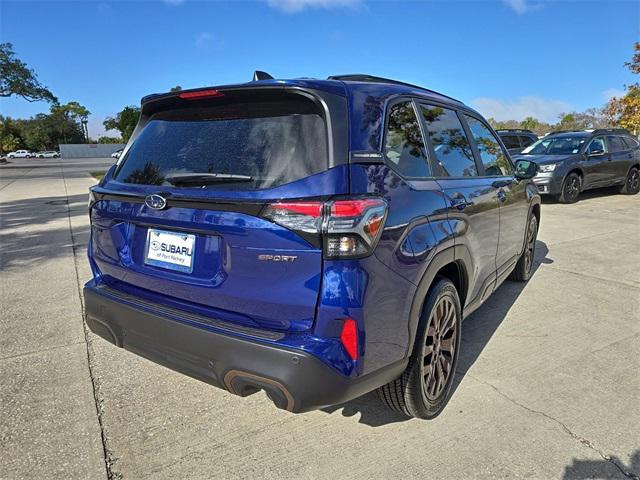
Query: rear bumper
(293, 379)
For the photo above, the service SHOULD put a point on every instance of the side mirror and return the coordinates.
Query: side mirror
(526, 169)
(594, 153)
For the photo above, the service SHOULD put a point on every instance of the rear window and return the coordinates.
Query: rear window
(250, 145)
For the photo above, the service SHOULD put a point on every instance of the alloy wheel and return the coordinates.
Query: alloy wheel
(633, 182)
(531, 244)
(572, 188)
(440, 348)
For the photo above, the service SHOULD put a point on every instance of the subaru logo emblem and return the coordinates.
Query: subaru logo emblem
(157, 202)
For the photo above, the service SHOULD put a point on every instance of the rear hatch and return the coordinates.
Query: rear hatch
(181, 220)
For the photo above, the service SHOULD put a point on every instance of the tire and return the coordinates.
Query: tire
(632, 183)
(422, 391)
(570, 189)
(11, 156)
(524, 267)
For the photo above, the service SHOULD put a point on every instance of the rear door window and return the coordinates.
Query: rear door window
(404, 146)
(453, 154)
(510, 141)
(493, 157)
(255, 145)
(616, 144)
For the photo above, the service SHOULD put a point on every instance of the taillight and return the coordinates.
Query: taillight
(348, 228)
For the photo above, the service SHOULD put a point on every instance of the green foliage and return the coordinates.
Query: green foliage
(17, 79)
(625, 111)
(106, 139)
(44, 131)
(124, 122)
(177, 88)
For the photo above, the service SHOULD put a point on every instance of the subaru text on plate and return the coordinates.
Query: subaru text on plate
(315, 239)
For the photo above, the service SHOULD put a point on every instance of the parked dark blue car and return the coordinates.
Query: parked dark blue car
(316, 239)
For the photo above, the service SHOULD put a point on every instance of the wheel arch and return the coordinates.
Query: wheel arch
(453, 263)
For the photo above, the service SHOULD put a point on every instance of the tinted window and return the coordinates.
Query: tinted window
(526, 141)
(616, 144)
(630, 142)
(553, 145)
(493, 158)
(266, 143)
(403, 145)
(454, 157)
(597, 145)
(510, 141)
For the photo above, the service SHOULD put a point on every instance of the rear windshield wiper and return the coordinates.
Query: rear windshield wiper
(206, 178)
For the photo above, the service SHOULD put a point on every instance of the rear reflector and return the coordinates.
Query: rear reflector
(349, 338)
(200, 94)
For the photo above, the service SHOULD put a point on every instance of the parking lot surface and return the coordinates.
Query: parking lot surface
(548, 383)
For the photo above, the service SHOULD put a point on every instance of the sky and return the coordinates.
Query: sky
(507, 58)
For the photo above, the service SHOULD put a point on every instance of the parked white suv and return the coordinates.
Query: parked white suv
(48, 154)
(20, 154)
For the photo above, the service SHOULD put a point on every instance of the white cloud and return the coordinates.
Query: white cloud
(609, 93)
(294, 6)
(203, 39)
(519, 109)
(521, 6)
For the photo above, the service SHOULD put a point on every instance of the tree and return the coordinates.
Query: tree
(177, 88)
(17, 79)
(105, 139)
(124, 122)
(530, 123)
(625, 111)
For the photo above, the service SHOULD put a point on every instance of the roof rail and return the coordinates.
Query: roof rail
(524, 130)
(597, 131)
(619, 131)
(363, 77)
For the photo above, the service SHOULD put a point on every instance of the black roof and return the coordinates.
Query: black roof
(363, 77)
(597, 131)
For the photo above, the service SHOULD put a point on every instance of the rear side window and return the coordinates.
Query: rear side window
(403, 145)
(525, 141)
(454, 157)
(630, 142)
(255, 145)
(616, 144)
(493, 158)
(510, 141)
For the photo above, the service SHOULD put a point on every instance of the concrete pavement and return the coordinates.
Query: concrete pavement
(548, 384)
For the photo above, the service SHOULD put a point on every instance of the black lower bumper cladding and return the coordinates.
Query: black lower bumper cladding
(293, 380)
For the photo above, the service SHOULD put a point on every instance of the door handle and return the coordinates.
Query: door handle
(460, 202)
(502, 196)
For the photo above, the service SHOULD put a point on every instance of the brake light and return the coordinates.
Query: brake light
(349, 338)
(200, 94)
(349, 228)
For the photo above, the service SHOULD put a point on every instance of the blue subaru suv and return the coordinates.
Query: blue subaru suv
(315, 239)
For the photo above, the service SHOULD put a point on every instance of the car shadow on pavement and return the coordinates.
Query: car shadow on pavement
(586, 195)
(477, 331)
(596, 469)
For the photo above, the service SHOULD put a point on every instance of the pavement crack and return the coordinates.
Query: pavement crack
(582, 440)
(109, 458)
